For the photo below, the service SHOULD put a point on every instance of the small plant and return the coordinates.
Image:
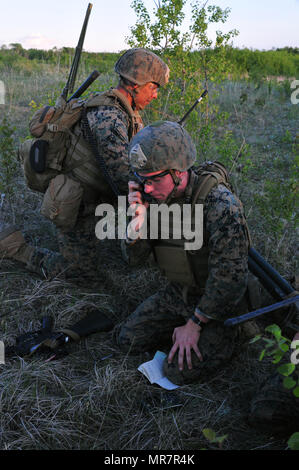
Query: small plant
(287, 138)
(191, 70)
(232, 155)
(211, 436)
(8, 161)
(278, 198)
(293, 442)
(277, 347)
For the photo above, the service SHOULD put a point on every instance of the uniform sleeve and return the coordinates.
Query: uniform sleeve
(110, 127)
(228, 254)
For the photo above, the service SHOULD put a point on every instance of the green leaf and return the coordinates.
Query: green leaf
(220, 439)
(262, 354)
(275, 330)
(269, 342)
(255, 339)
(283, 346)
(209, 434)
(289, 383)
(286, 369)
(296, 392)
(277, 357)
(293, 442)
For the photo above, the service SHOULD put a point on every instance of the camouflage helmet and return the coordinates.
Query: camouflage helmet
(164, 145)
(141, 66)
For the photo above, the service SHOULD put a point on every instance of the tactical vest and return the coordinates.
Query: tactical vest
(80, 159)
(67, 152)
(185, 267)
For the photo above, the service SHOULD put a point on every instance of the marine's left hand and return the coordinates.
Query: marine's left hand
(185, 339)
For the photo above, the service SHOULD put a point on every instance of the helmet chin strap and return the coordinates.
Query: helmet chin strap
(132, 93)
(176, 181)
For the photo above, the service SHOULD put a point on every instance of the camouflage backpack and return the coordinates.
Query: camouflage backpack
(65, 164)
(53, 149)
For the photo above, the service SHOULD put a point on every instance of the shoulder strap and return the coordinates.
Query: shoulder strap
(210, 175)
(99, 158)
(213, 174)
(114, 97)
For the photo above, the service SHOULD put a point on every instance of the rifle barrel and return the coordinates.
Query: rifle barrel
(278, 287)
(75, 64)
(90, 79)
(181, 122)
(265, 280)
(270, 271)
(261, 311)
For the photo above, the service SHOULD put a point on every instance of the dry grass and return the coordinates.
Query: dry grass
(95, 398)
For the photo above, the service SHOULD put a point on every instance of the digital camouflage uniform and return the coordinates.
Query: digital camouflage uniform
(77, 248)
(220, 269)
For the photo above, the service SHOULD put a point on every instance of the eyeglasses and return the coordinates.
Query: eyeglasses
(148, 179)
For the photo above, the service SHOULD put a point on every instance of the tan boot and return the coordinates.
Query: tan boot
(13, 245)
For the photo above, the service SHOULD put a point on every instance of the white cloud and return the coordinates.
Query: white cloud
(37, 41)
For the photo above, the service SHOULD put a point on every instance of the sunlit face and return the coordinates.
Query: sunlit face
(145, 94)
(158, 184)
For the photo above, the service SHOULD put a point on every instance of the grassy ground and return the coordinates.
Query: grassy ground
(95, 398)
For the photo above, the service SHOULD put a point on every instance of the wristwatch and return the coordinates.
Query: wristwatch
(197, 321)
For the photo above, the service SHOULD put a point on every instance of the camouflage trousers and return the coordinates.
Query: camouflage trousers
(77, 254)
(150, 328)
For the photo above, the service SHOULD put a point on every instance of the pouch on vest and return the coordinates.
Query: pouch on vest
(62, 201)
(38, 155)
(43, 157)
(174, 263)
(38, 181)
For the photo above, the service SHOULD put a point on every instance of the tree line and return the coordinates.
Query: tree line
(248, 62)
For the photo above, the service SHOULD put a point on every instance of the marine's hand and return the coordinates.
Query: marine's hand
(135, 195)
(137, 210)
(185, 338)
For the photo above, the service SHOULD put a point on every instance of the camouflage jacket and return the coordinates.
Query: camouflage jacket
(227, 245)
(110, 126)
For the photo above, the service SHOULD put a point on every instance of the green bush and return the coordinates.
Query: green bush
(8, 160)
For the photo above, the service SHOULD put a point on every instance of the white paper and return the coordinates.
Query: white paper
(153, 370)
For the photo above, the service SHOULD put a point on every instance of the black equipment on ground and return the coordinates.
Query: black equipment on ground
(48, 341)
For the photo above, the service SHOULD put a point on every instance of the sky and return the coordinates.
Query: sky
(263, 24)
